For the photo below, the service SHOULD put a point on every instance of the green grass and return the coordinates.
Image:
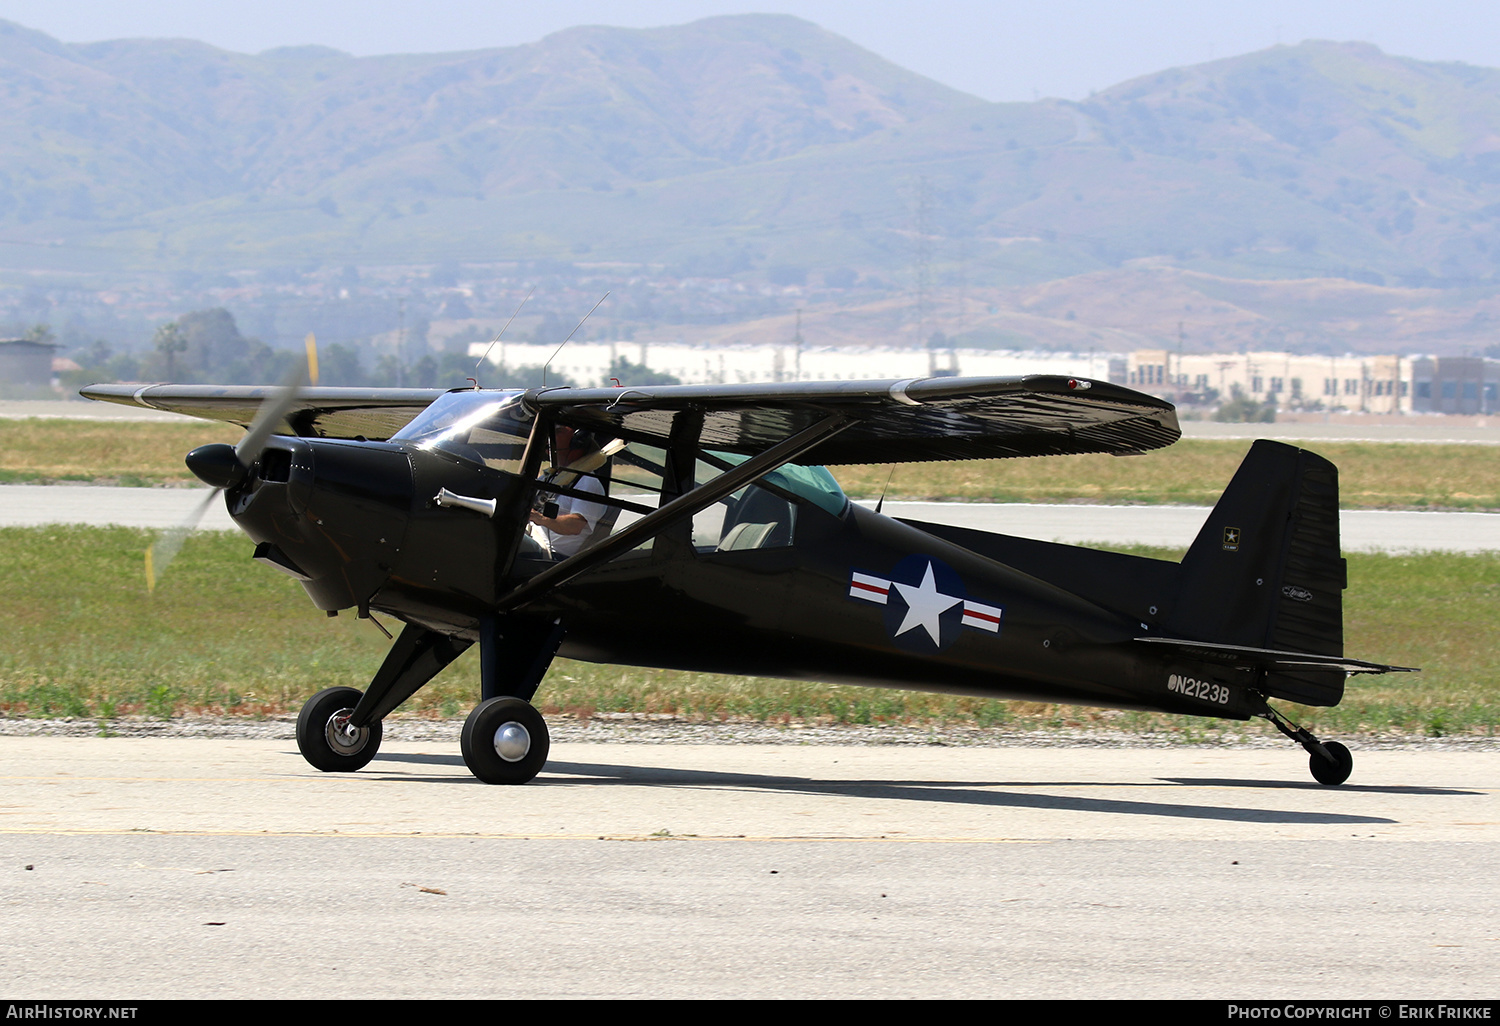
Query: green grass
(224, 636)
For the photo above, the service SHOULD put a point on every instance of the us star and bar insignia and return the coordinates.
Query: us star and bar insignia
(931, 605)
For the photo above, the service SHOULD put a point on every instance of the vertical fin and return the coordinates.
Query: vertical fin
(1266, 570)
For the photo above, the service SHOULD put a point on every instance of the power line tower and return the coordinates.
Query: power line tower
(401, 343)
(924, 265)
(797, 347)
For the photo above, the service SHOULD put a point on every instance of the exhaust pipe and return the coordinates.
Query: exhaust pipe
(452, 500)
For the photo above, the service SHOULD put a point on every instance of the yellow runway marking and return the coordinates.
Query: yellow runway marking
(144, 831)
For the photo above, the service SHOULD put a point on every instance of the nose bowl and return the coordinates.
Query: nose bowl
(337, 509)
(216, 465)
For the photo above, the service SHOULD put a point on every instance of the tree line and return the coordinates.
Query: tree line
(207, 346)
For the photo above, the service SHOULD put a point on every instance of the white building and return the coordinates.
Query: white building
(588, 363)
(1364, 384)
(1367, 384)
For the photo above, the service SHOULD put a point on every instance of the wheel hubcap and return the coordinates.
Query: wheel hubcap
(512, 741)
(343, 738)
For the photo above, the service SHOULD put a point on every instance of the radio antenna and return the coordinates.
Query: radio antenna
(885, 488)
(569, 338)
(497, 338)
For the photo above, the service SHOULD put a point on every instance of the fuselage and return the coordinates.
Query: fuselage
(848, 597)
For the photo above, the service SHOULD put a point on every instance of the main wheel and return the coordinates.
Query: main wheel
(1332, 773)
(324, 735)
(505, 741)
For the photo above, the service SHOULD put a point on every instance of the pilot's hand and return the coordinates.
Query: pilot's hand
(568, 523)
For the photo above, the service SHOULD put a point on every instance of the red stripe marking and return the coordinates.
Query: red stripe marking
(981, 616)
(869, 587)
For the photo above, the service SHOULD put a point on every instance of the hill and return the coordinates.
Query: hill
(764, 150)
(112, 130)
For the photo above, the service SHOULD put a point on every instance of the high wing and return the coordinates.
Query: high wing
(908, 421)
(375, 413)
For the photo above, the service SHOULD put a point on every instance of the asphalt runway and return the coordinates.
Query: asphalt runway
(102, 506)
(1362, 530)
(1177, 526)
(80, 409)
(141, 868)
(1414, 428)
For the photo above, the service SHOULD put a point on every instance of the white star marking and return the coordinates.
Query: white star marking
(924, 604)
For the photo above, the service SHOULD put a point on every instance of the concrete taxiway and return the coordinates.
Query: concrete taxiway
(1362, 530)
(138, 868)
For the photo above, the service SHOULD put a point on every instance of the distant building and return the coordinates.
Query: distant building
(1455, 384)
(1362, 384)
(589, 362)
(1358, 384)
(23, 362)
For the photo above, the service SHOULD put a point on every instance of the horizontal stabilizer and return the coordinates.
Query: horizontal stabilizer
(1272, 659)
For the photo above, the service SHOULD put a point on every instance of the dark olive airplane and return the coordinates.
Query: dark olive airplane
(727, 548)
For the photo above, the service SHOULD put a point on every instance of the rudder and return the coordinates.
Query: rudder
(1266, 570)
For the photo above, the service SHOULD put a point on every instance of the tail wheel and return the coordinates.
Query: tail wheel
(1335, 771)
(505, 741)
(325, 738)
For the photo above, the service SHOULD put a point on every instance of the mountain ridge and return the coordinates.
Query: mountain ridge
(759, 150)
(647, 103)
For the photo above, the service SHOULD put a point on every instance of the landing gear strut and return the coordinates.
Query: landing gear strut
(504, 740)
(1329, 761)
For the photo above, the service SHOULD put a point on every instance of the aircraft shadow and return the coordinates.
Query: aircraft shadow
(1309, 785)
(419, 759)
(966, 793)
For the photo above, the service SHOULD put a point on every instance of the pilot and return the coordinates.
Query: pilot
(577, 518)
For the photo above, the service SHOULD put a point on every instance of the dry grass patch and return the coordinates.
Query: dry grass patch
(1195, 472)
(39, 449)
(1192, 472)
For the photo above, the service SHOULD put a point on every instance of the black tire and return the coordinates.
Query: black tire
(1332, 773)
(316, 737)
(513, 758)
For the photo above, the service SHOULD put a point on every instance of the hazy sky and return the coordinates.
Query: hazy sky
(997, 49)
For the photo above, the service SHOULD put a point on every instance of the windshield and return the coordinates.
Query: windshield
(815, 484)
(483, 427)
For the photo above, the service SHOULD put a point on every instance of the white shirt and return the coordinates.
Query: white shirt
(571, 544)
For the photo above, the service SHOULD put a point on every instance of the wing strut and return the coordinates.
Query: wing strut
(654, 523)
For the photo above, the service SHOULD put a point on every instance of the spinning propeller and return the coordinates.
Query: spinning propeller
(224, 466)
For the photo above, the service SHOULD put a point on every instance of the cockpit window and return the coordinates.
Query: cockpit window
(814, 484)
(483, 427)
